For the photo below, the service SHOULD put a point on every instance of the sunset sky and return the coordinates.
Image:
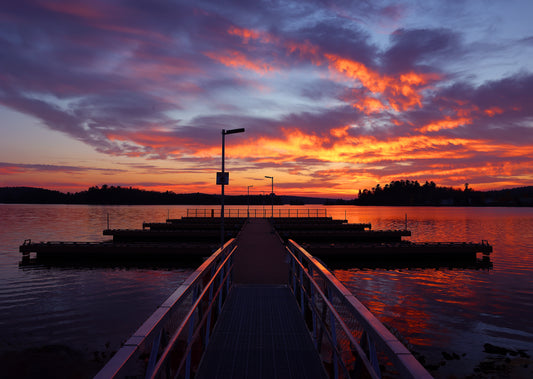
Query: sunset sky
(335, 96)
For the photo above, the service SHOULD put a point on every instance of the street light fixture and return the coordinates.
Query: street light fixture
(271, 193)
(223, 179)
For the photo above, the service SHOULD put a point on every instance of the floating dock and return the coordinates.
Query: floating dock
(117, 250)
(401, 249)
(190, 236)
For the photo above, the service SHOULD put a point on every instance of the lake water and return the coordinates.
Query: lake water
(446, 314)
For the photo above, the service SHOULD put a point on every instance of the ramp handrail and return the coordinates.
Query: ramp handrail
(351, 341)
(198, 322)
(174, 327)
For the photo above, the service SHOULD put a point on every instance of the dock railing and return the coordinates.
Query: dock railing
(258, 212)
(180, 328)
(351, 341)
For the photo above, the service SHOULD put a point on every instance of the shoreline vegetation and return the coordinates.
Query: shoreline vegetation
(396, 193)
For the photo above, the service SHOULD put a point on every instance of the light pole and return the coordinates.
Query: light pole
(223, 179)
(272, 193)
(249, 200)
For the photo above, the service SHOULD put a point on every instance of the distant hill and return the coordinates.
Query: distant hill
(31, 195)
(133, 196)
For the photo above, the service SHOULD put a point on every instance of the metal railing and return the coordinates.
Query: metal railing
(351, 341)
(258, 212)
(180, 328)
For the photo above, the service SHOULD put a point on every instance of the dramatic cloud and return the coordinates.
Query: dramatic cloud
(353, 93)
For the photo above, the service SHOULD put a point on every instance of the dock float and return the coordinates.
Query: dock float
(403, 249)
(260, 307)
(323, 237)
(102, 251)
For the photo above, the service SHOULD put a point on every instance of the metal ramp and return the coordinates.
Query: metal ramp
(260, 334)
(286, 317)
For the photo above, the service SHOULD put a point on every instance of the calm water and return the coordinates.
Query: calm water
(436, 310)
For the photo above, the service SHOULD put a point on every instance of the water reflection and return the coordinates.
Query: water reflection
(409, 263)
(190, 263)
(79, 311)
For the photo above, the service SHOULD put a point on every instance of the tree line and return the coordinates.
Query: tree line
(117, 195)
(406, 192)
(398, 192)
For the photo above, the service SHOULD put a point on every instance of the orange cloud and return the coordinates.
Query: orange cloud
(356, 70)
(447, 123)
(247, 34)
(340, 132)
(370, 105)
(7, 170)
(238, 59)
(511, 173)
(491, 112)
(293, 145)
(402, 92)
(305, 48)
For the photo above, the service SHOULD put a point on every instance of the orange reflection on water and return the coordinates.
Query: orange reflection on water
(406, 300)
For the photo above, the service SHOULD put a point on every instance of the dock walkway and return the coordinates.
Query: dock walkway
(261, 256)
(260, 332)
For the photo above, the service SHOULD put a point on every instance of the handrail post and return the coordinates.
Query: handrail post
(302, 301)
(293, 277)
(229, 275)
(189, 336)
(334, 338)
(208, 322)
(313, 311)
(372, 354)
(153, 354)
(221, 286)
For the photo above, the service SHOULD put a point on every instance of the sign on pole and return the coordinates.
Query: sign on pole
(223, 178)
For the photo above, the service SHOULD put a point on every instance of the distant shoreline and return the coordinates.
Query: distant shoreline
(409, 196)
(310, 204)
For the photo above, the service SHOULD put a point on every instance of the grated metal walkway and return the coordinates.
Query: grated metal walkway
(261, 257)
(260, 334)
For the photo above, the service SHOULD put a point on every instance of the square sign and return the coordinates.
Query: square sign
(223, 178)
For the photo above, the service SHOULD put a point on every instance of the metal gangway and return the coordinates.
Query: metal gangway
(341, 338)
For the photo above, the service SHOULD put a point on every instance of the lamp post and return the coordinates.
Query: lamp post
(223, 179)
(271, 193)
(249, 200)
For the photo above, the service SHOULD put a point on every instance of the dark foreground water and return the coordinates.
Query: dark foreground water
(446, 314)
